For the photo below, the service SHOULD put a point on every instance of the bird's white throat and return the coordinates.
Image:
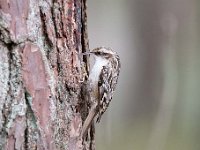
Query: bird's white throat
(96, 68)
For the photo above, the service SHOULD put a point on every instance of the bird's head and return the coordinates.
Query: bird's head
(102, 52)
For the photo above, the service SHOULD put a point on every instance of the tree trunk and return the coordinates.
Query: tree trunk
(41, 74)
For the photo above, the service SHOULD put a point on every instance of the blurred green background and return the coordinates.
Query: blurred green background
(157, 102)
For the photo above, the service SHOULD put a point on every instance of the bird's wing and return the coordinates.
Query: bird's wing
(107, 83)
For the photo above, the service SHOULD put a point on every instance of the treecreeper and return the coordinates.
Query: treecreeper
(101, 83)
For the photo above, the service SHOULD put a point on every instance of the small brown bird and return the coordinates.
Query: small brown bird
(101, 83)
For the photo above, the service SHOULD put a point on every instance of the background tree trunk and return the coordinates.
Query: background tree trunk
(41, 74)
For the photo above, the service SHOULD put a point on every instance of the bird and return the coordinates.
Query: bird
(101, 83)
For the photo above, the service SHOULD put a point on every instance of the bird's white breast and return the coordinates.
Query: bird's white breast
(96, 69)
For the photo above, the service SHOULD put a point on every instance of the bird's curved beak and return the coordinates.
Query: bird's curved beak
(86, 53)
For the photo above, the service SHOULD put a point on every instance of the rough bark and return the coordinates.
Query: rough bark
(41, 74)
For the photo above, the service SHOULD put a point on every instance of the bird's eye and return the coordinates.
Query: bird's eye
(98, 53)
